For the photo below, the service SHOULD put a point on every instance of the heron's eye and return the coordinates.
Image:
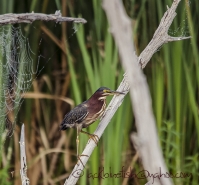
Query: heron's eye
(106, 91)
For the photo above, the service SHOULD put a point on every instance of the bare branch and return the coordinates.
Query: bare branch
(160, 36)
(31, 17)
(146, 139)
(23, 171)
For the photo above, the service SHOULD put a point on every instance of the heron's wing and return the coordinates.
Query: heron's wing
(76, 115)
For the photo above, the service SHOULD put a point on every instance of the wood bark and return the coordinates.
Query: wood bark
(31, 17)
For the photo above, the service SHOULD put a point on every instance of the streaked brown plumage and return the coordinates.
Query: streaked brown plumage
(88, 112)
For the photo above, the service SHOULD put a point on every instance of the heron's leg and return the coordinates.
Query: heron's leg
(77, 142)
(94, 137)
(77, 145)
(102, 116)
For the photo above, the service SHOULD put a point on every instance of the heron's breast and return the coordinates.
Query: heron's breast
(95, 112)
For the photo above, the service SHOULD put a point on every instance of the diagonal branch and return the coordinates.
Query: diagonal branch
(31, 17)
(146, 139)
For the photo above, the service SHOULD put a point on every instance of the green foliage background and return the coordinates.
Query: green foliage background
(78, 59)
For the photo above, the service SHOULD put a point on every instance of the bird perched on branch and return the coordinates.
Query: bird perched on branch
(87, 112)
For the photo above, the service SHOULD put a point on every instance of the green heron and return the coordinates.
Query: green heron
(87, 112)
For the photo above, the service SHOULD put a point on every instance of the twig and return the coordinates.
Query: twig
(23, 171)
(39, 95)
(147, 140)
(31, 17)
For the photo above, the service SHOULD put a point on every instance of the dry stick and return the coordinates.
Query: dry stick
(161, 35)
(31, 17)
(23, 171)
(146, 140)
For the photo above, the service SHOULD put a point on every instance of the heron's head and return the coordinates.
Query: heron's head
(103, 92)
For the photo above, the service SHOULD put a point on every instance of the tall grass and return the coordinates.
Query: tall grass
(91, 60)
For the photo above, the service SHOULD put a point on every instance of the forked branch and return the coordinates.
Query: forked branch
(161, 36)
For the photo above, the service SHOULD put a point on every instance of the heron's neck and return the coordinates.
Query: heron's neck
(96, 98)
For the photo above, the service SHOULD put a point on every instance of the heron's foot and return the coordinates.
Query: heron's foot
(79, 159)
(94, 137)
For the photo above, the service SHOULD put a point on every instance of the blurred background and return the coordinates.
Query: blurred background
(72, 61)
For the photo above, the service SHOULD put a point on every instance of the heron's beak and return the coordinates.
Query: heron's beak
(115, 92)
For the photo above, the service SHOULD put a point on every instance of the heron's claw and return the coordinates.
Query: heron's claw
(94, 137)
(79, 159)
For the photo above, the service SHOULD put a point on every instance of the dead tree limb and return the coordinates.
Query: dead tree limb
(23, 171)
(31, 17)
(161, 36)
(146, 139)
